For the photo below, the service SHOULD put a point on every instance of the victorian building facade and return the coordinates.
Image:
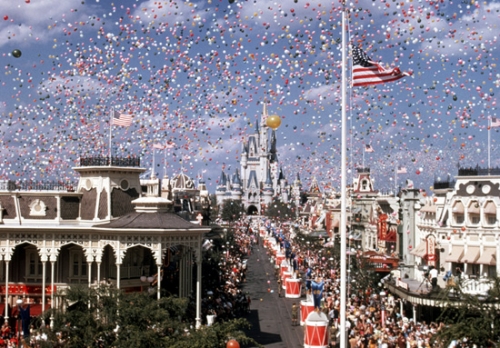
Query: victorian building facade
(458, 229)
(109, 227)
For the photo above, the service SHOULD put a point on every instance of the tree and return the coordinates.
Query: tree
(107, 317)
(280, 210)
(475, 318)
(232, 210)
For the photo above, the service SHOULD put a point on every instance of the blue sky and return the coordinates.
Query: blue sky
(197, 72)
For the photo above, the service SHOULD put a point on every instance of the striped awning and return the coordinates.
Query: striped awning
(471, 255)
(420, 250)
(456, 254)
(458, 208)
(490, 208)
(488, 257)
(473, 208)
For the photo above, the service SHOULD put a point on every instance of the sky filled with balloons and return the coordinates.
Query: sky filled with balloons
(196, 73)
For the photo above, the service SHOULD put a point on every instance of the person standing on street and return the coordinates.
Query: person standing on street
(295, 314)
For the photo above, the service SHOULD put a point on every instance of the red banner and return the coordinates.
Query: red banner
(382, 227)
(23, 289)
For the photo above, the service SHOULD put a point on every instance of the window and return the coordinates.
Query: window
(459, 218)
(474, 219)
(78, 264)
(34, 265)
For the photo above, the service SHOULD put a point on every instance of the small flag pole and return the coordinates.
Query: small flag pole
(364, 150)
(165, 162)
(153, 175)
(110, 129)
(396, 180)
(489, 138)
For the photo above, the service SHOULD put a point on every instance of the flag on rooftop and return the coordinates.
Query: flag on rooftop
(120, 119)
(369, 148)
(158, 146)
(401, 170)
(495, 122)
(366, 72)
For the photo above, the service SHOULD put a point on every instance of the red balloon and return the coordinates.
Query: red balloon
(232, 344)
(5, 17)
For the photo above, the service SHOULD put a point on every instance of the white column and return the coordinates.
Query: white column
(52, 270)
(98, 272)
(158, 281)
(6, 291)
(44, 283)
(118, 275)
(198, 291)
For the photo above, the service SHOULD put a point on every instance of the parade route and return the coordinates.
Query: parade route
(270, 315)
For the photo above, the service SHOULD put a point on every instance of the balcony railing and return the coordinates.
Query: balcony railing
(96, 161)
(23, 185)
(478, 171)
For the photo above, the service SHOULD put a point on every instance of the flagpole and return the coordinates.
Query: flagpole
(165, 162)
(343, 190)
(364, 150)
(153, 175)
(489, 138)
(110, 128)
(396, 180)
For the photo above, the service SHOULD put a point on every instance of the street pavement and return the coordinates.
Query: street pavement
(270, 315)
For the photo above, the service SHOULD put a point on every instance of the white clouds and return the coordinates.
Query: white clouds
(174, 12)
(476, 30)
(38, 20)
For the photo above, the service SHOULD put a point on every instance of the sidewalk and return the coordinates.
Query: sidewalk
(270, 315)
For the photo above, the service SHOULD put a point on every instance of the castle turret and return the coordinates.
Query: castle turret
(236, 191)
(268, 190)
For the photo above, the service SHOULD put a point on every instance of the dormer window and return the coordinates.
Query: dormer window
(490, 213)
(458, 212)
(473, 212)
(364, 185)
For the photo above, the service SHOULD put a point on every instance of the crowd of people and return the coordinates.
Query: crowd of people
(375, 318)
(223, 297)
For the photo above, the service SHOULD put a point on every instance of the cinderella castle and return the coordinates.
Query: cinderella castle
(260, 179)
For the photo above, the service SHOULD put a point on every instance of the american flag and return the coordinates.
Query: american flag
(495, 122)
(369, 148)
(120, 119)
(401, 170)
(365, 72)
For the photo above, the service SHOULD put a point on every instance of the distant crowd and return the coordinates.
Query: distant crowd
(374, 320)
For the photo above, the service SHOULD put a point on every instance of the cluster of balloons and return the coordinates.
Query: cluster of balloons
(198, 74)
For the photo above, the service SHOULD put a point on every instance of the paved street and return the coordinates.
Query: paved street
(270, 315)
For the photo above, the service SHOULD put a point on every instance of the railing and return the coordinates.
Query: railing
(67, 186)
(110, 161)
(478, 171)
(363, 170)
(443, 184)
(476, 286)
